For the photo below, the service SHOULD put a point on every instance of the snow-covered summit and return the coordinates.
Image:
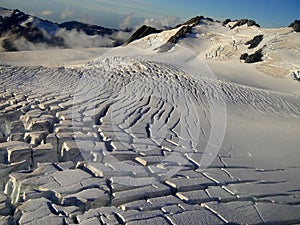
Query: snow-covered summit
(272, 51)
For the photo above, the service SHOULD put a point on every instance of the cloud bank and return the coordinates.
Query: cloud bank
(126, 22)
(163, 22)
(46, 13)
(71, 39)
(67, 13)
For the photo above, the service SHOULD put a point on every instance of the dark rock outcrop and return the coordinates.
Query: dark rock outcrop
(186, 29)
(143, 31)
(209, 19)
(174, 39)
(295, 25)
(87, 28)
(244, 56)
(192, 22)
(225, 22)
(252, 23)
(255, 41)
(12, 23)
(13, 28)
(253, 58)
(296, 75)
(242, 22)
(180, 34)
(18, 25)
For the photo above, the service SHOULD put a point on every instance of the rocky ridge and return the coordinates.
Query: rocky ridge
(143, 31)
(295, 25)
(16, 26)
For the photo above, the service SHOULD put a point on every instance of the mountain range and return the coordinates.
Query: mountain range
(20, 31)
(272, 51)
(242, 40)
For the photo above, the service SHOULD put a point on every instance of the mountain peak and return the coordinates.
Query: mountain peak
(295, 25)
(143, 31)
(237, 23)
(89, 29)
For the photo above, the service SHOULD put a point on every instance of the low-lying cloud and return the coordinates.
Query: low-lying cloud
(22, 44)
(67, 13)
(70, 39)
(126, 21)
(46, 13)
(75, 39)
(163, 22)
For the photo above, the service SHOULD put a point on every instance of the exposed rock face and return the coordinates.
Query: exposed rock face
(253, 58)
(18, 28)
(295, 25)
(7, 23)
(296, 75)
(143, 31)
(255, 41)
(244, 56)
(174, 39)
(186, 29)
(194, 21)
(242, 22)
(209, 19)
(225, 22)
(87, 28)
(18, 25)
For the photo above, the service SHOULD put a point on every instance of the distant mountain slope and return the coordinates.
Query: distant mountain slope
(87, 28)
(143, 31)
(275, 51)
(20, 31)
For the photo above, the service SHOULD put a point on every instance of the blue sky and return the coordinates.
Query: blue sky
(120, 13)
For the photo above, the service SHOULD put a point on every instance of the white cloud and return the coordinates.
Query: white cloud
(67, 13)
(72, 39)
(75, 39)
(46, 13)
(121, 36)
(126, 22)
(24, 45)
(163, 22)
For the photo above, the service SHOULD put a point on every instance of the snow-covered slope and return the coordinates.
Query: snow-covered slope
(132, 136)
(215, 42)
